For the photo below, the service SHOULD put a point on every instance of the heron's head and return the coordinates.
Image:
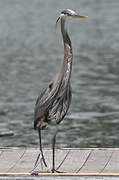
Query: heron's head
(69, 14)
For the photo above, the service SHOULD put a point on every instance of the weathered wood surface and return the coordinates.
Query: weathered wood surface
(19, 160)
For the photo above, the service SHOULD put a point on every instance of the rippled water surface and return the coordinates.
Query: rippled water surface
(31, 52)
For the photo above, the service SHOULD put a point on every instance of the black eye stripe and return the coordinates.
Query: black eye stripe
(63, 12)
(66, 14)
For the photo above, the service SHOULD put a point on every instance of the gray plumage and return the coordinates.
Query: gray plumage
(54, 101)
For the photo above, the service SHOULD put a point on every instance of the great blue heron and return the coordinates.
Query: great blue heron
(53, 103)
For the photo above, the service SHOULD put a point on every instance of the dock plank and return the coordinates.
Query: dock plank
(96, 162)
(9, 158)
(76, 160)
(26, 163)
(113, 164)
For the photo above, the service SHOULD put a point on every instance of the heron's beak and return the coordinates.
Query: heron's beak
(79, 16)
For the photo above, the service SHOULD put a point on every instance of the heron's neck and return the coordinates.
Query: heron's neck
(66, 39)
(67, 62)
(64, 74)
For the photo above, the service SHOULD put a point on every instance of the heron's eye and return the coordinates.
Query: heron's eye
(65, 12)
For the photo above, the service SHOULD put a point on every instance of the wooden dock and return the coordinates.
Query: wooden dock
(70, 161)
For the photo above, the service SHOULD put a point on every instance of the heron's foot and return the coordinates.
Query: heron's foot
(56, 171)
(35, 173)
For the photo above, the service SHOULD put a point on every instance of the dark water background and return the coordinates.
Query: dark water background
(31, 52)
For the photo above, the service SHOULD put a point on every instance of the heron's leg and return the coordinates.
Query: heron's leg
(53, 149)
(39, 133)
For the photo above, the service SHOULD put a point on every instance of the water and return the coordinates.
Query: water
(30, 55)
